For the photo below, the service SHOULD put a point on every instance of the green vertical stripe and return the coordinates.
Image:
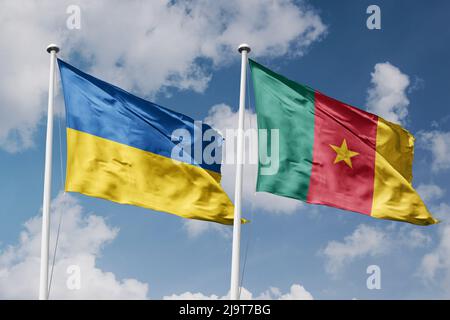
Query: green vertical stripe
(289, 107)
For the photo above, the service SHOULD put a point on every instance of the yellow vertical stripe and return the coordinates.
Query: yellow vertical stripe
(394, 197)
(110, 170)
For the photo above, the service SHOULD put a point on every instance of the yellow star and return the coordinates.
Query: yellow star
(343, 153)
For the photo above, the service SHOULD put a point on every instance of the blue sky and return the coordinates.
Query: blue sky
(189, 63)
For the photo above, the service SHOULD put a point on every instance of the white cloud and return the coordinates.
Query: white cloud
(296, 292)
(195, 228)
(364, 241)
(387, 95)
(430, 192)
(410, 237)
(142, 46)
(191, 296)
(435, 265)
(441, 211)
(81, 241)
(368, 241)
(25, 31)
(438, 143)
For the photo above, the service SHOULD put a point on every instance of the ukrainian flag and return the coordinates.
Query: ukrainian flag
(121, 148)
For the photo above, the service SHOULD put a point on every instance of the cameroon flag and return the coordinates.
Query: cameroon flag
(333, 154)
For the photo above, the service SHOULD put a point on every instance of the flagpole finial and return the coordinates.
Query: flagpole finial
(52, 47)
(244, 47)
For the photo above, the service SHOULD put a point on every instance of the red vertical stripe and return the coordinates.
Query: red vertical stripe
(337, 184)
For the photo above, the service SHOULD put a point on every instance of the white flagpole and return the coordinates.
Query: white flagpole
(43, 280)
(244, 49)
